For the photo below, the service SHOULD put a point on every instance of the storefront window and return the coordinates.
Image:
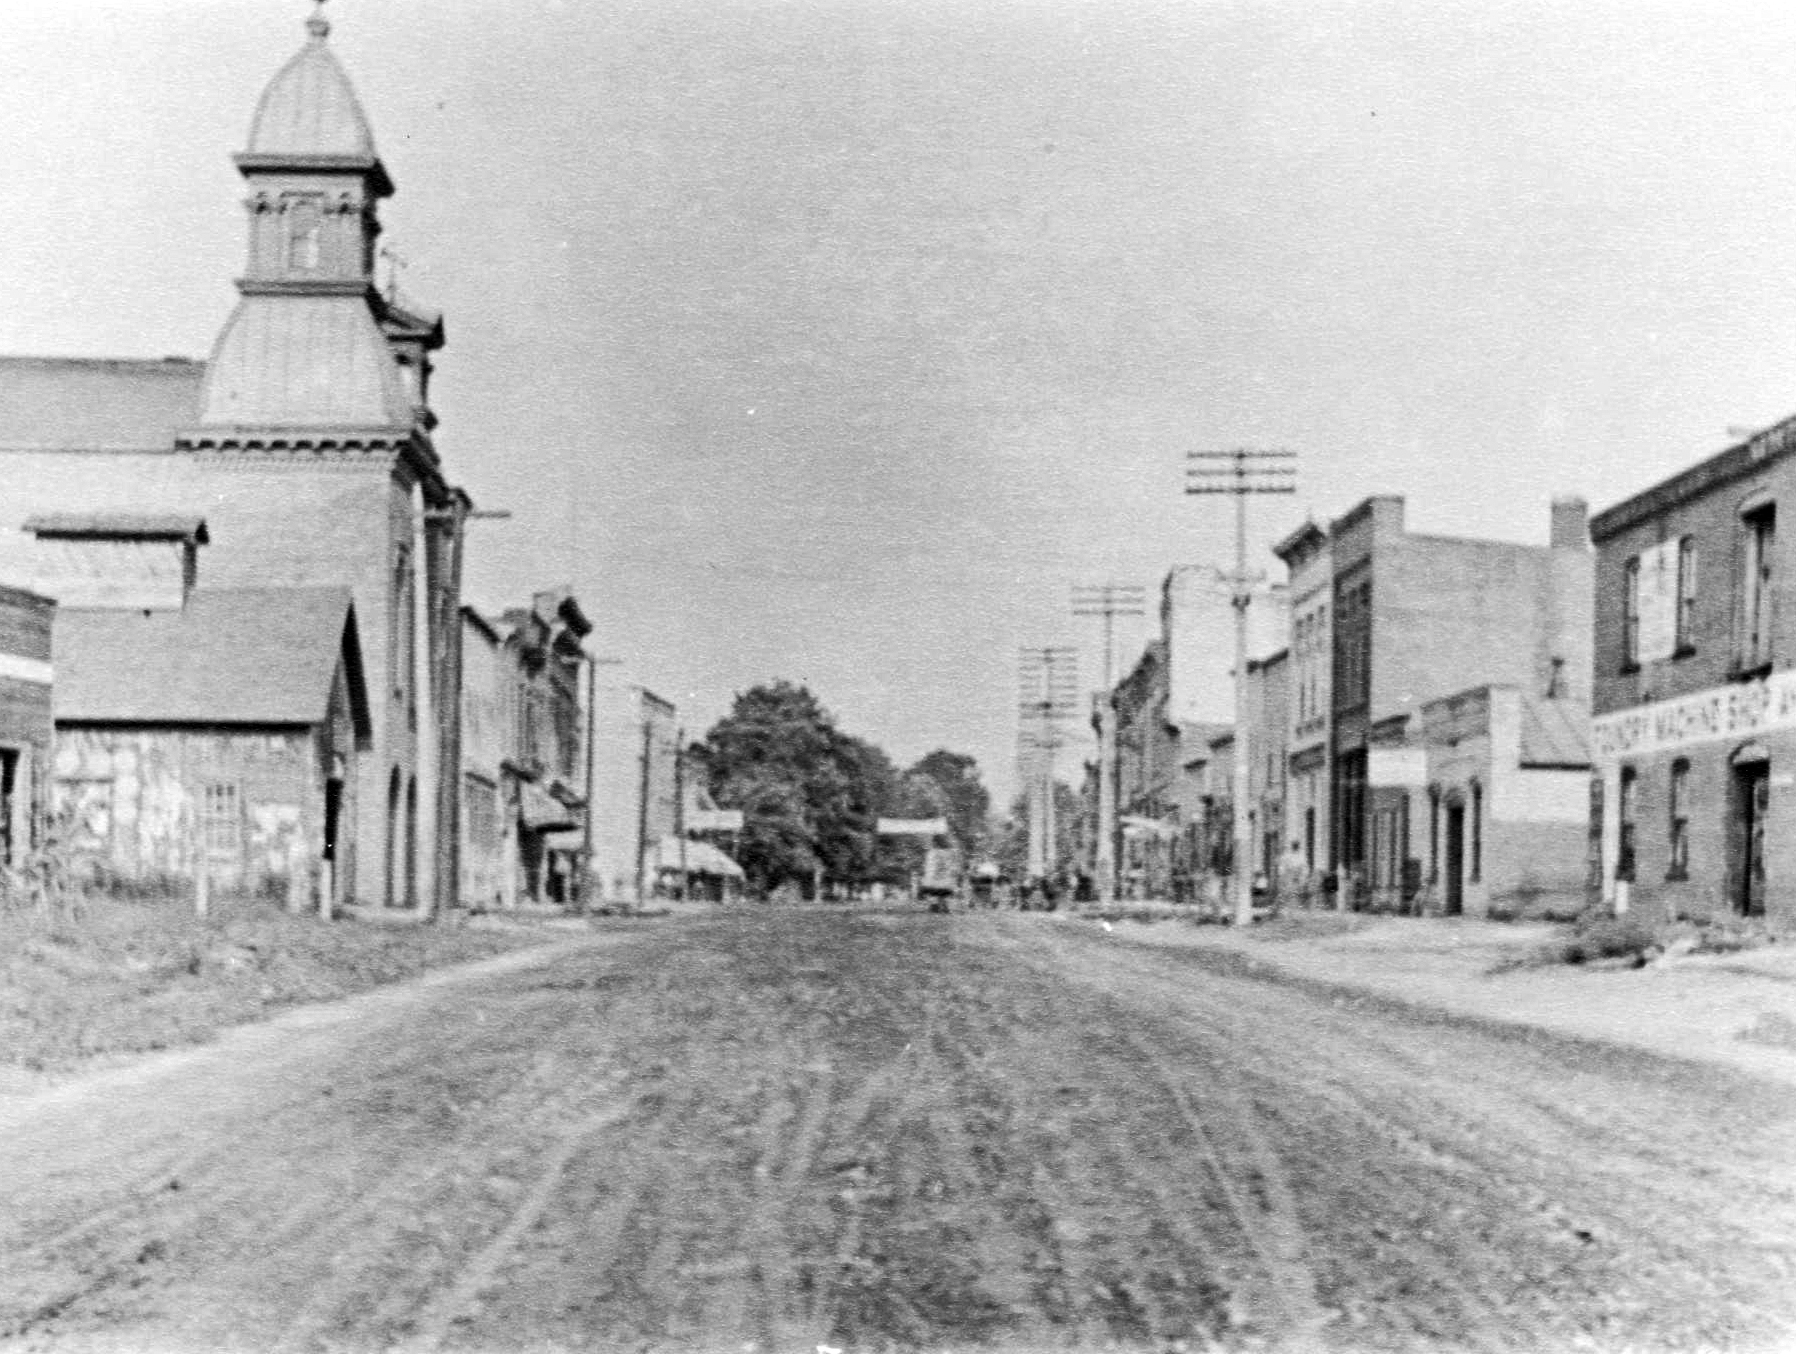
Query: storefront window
(1679, 813)
(1624, 816)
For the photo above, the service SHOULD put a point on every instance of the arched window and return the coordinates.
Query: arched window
(395, 892)
(411, 842)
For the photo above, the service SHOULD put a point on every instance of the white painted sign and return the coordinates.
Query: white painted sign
(912, 827)
(1738, 710)
(1658, 602)
(33, 670)
(1402, 767)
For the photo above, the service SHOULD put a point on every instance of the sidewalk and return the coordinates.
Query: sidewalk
(1737, 1010)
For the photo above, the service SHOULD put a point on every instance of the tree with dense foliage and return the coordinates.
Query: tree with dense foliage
(811, 794)
(965, 802)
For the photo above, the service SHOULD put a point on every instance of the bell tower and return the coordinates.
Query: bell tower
(312, 343)
(314, 179)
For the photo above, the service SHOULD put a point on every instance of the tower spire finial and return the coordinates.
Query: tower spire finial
(318, 26)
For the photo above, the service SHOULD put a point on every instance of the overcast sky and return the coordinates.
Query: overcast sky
(836, 339)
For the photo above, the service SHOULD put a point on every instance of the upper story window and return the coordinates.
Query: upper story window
(1686, 603)
(1353, 645)
(1630, 613)
(402, 601)
(305, 234)
(1758, 610)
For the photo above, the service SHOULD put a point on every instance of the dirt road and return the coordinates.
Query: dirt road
(892, 1132)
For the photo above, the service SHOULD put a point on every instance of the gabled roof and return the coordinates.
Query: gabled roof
(258, 656)
(97, 404)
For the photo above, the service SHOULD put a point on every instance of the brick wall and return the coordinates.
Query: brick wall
(1714, 520)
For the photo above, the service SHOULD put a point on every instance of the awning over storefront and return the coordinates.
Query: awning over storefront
(540, 811)
(702, 858)
(1133, 826)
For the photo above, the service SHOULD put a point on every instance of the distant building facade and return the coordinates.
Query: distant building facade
(489, 847)
(1266, 720)
(637, 771)
(1310, 573)
(1508, 802)
(544, 783)
(1416, 617)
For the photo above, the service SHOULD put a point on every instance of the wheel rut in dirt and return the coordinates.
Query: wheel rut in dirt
(777, 1131)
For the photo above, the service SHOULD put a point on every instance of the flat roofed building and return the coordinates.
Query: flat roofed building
(1414, 617)
(1694, 697)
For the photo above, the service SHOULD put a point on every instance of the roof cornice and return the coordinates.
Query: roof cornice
(1761, 449)
(265, 162)
(309, 286)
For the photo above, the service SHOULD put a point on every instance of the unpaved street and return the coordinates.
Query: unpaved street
(790, 1129)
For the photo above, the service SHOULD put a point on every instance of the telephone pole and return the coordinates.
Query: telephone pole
(1047, 696)
(1108, 600)
(1239, 474)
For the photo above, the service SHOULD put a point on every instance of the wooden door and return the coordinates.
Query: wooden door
(1754, 798)
(1455, 881)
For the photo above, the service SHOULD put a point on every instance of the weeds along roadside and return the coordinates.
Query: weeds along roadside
(90, 967)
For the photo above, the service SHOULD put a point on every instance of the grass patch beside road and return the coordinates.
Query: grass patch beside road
(121, 975)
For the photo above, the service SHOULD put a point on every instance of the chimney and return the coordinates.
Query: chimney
(1571, 524)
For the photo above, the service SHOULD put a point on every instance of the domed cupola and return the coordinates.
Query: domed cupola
(310, 109)
(307, 346)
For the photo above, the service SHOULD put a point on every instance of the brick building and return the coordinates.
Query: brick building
(544, 792)
(1415, 617)
(1694, 699)
(1147, 768)
(1267, 721)
(1310, 572)
(488, 833)
(26, 622)
(637, 770)
(305, 442)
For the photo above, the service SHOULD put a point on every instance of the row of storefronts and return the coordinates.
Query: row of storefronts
(1489, 728)
(1415, 726)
